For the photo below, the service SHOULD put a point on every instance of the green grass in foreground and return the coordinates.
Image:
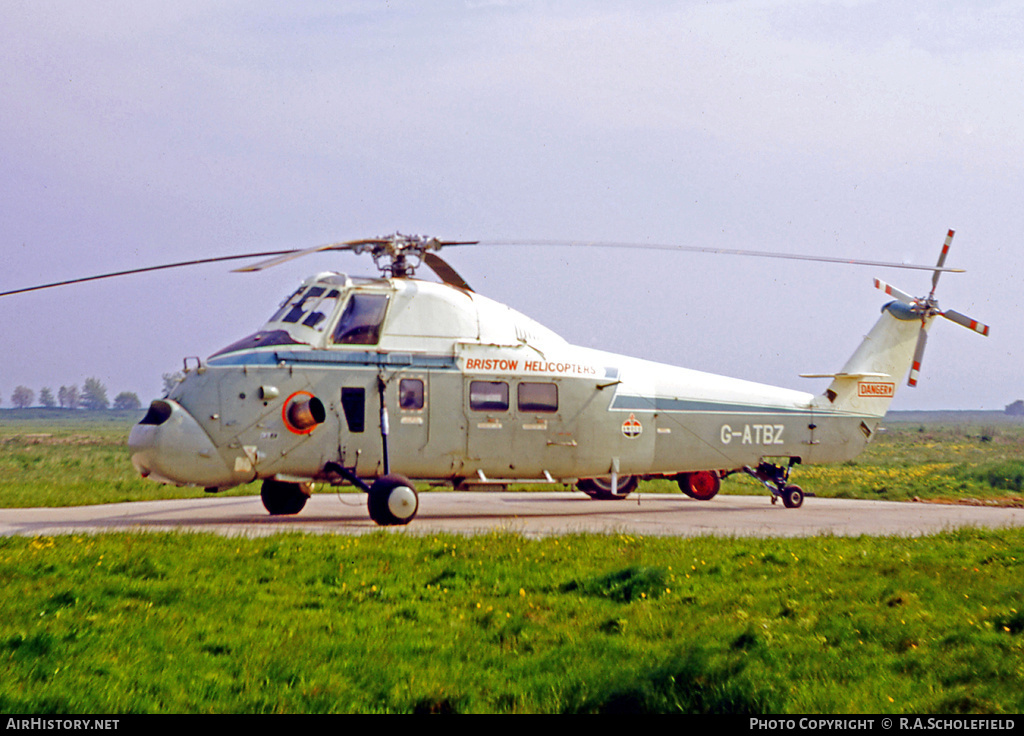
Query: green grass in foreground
(398, 622)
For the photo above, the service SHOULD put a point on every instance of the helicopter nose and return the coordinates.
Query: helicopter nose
(169, 446)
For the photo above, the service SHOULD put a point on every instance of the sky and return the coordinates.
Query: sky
(139, 133)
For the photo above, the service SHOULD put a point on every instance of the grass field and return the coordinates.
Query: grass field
(406, 623)
(71, 458)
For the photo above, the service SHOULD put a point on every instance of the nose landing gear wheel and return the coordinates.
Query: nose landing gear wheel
(792, 497)
(392, 500)
(284, 499)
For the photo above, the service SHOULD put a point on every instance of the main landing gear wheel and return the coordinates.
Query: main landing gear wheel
(284, 499)
(792, 497)
(702, 485)
(601, 488)
(392, 500)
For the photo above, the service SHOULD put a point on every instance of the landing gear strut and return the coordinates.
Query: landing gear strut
(776, 479)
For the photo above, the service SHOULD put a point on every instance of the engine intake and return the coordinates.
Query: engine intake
(303, 412)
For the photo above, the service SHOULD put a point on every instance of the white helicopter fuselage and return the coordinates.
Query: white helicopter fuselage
(438, 383)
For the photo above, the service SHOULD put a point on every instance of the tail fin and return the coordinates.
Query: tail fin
(867, 383)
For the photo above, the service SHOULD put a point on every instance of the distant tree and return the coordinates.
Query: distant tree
(94, 395)
(68, 397)
(23, 397)
(171, 380)
(127, 400)
(46, 398)
(1016, 409)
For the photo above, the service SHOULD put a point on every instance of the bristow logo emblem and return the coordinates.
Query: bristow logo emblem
(632, 428)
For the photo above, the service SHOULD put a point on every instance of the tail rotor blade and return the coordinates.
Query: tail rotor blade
(915, 369)
(894, 292)
(965, 321)
(942, 261)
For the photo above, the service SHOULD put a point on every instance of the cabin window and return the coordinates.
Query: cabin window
(361, 321)
(488, 396)
(353, 403)
(410, 394)
(537, 397)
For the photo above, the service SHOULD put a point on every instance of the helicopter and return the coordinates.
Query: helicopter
(383, 382)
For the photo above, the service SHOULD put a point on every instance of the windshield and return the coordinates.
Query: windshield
(361, 321)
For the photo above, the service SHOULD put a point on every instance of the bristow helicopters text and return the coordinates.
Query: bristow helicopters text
(504, 365)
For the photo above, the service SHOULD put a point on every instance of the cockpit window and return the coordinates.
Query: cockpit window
(287, 304)
(361, 321)
(309, 307)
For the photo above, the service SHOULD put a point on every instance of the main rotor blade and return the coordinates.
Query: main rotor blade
(965, 321)
(129, 272)
(915, 368)
(293, 254)
(722, 251)
(893, 291)
(942, 262)
(282, 256)
(446, 273)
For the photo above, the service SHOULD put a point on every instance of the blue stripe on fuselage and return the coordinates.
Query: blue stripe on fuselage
(624, 402)
(334, 358)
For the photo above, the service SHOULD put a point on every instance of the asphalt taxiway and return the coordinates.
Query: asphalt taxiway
(529, 514)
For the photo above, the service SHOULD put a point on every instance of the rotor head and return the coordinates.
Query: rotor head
(398, 255)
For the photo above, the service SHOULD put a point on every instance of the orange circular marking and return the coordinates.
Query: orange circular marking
(284, 414)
